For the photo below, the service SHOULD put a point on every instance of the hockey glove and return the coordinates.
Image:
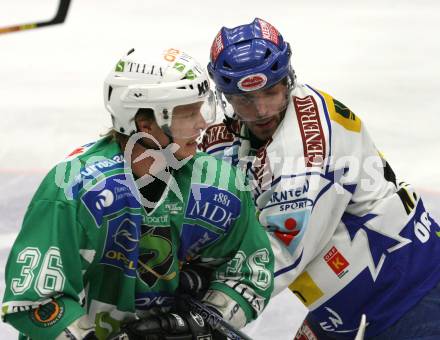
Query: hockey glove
(169, 326)
(194, 280)
(80, 329)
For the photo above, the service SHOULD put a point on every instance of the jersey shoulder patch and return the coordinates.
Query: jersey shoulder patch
(341, 114)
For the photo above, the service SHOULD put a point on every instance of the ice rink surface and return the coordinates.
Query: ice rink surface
(380, 58)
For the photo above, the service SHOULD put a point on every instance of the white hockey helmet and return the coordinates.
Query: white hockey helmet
(159, 82)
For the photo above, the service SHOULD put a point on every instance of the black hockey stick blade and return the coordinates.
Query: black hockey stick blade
(215, 320)
(59, 18)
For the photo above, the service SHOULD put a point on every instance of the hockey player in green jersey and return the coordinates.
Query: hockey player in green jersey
(105, 236)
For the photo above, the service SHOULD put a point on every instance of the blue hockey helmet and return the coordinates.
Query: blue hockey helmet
(249, 57)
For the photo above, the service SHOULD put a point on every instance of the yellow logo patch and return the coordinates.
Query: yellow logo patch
(306, 289)
(341, 114)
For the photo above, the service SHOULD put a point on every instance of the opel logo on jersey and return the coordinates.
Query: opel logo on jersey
(252, 82)
(104, 199)
(126, 235)
(122, 243)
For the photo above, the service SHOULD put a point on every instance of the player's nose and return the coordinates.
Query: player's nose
(261, 106)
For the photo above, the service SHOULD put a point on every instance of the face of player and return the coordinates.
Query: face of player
(188, 123)
(187, 126)
(262, 110)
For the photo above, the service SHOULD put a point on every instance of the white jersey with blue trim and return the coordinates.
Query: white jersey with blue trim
(348, 238)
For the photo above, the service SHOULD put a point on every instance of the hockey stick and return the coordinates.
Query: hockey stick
(59, 18)
(167, 277)
(214, 320)
(361, 331)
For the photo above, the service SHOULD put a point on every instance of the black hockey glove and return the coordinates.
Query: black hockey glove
(194, 280)
(169, 326)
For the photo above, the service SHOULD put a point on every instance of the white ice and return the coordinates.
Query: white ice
(381, 58)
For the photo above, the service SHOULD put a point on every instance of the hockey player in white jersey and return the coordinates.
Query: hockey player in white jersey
(349, 238)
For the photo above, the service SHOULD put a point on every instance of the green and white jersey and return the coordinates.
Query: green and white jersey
(88, 246)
